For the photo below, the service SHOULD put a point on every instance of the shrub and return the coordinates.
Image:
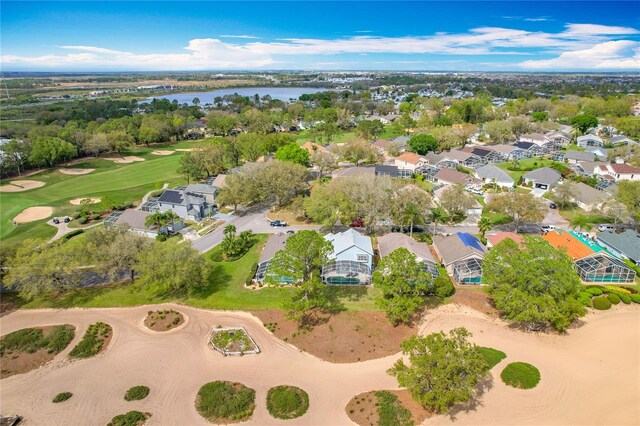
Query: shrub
(132, 418)
(585, 298)
(63, 396)
(136, 393)
(30, 340)
(443, 287)
(83, 220)
(161, 237)
(594, 290)
(492, 356)
(71, 234)
(390, 410)
(221, 402)
(601, 303)
(520, 375)
(614, 298)
(635, 298)
(287, 402)
(616, 289)
(92, 340)
(626, 299)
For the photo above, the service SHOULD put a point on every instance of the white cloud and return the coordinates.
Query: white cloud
(238, 36)
(595, 42)
(619, 55)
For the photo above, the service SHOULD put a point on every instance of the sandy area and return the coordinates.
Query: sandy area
(76, 201)
(590, 376)
(32, 214)
(124, 160)
(160, 152)
(75, 171)
(21, 185)
(185, 149)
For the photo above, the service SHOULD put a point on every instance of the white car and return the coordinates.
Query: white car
(547, 228)
(606, 227)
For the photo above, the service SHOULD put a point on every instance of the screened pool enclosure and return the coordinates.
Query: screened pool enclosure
(346, 272)
(602, 268)
(468, 271)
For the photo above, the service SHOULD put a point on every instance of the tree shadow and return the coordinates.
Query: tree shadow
(218, 281)
(476, 401)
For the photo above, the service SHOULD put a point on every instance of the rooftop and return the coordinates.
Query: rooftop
(347, 239)
(627, 242)
(458, 246)
(390, 242)
(575, 248)
(499, 237)
(410, 157)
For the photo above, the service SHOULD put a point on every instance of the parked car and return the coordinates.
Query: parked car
(547, 228)
(357, 224)
(606, 227)
(407, 229)
(553, 206)
(67, 219)
(278, 223)
(56, 220)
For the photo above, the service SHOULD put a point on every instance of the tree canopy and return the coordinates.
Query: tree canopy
(421, 144)
(521, 207)
(303, 255)
(294, 153)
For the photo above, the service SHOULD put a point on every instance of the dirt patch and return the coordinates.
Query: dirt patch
(21, 185)
(362, 408)
(22, 362)
(77, 201)
(75, 171)
(32, 214)
(475, 298)
(288, 216)
(164, 320)
(344, 337)
(160, 152)
(124, 160)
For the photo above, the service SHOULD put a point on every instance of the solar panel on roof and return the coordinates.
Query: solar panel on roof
(470, 241)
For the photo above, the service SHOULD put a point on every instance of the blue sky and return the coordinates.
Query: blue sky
(462, 36)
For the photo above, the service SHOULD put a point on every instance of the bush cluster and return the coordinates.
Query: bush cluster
(92, 340)
(63, 396)
(136, 393)
(601, 303)
(635, 298)
(492, 356)
(221, 402)
(287, 402)
(520, 375)
(585, 298)
(614, 298)
(31, 340)
(132, 418)
(594, 291)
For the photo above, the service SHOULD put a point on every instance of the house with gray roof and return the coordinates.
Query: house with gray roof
(532, 149)
(537, 138)
(390, 242)
(574, 156)
(492, 174)
(588, 140)
(461, 254)
(600, 153)
(447, 176)
(625, 245)
(274, 244)
(510, 152)
(351, 261)
(588, 198)
(193, 202)
(542, 178)
(135, 221)
(621, 140)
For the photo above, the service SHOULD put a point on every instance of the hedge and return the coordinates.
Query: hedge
(626, 299)
(601, 303)
(585, 298)
(594, 290)
(617, 289)
(635, 297)
(614, 298)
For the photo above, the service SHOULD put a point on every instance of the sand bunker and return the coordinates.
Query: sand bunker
(77, 201)
(124, 160)
(33, 213)
(75, 171)
(185, 149)
(162, 152)
(21, 185)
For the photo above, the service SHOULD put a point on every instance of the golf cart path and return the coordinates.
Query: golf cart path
(146, 196)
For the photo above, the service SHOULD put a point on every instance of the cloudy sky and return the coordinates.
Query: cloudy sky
(460, 36)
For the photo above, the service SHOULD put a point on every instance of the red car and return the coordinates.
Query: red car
(357, 224)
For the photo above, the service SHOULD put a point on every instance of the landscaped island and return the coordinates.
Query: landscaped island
(163, 320)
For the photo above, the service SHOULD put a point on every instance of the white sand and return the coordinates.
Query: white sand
(21, 185)
(32, 214)
(77, 201)
(162, 152)
(75, 171)
(185, 149)
(124, 160)
(588, 377)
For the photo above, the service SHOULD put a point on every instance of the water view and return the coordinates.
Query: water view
(283, 93)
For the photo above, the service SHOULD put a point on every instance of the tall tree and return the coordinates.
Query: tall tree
(521, 207)
(369, 129)
(303, 255)
(293, 153)
(115, 251)
(583, 122)
(535, 287)
(444, 369)
(403, 282)
(564, 193)
(629, 194)
(456, 200)
(437, 216)
(421, 144)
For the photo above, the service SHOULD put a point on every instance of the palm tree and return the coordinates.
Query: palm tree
(171, 217)
(412, 214)
(581, 222)
(484, 225)
(155, 220)
(436, 216)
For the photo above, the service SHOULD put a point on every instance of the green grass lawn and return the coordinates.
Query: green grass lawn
(524, 164)
(124, 183)
(225, 290)
(570, 213)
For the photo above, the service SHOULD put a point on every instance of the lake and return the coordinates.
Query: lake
(282, 93)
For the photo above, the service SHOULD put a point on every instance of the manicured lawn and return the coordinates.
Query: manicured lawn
(525, 164)
(492, 356)
(570, 213)
(520, 375)
(225, 290)
(124, 183)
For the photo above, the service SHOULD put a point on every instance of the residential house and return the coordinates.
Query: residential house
(192, 204)
(395, 240)
(495, 239)
(600, 153)
(510, 152)
(625, 245)
(592, 263)
(558, 137)
(588, 140)
(401, 141)
(354, 171)
(312, 147)
(461, 254)
(351, 261)
(588, 168)
(621, 140)
(574, 156)
(532, 149)
(537, 138)
(440, 160)
(274, 244)
(542, 178)
(451, 177)
(409, 161)
(474, 210)
(619, 171)
(218, 182)
(135, 221)
(588, 198)
(392, 171)
(492, 174)
(464, 158)
(486, 154)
